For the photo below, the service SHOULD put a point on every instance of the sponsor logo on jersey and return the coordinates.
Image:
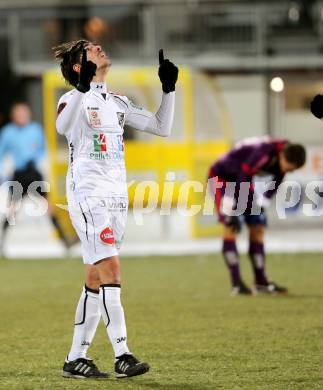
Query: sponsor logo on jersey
(106, 156)
(118, 205)
(120, 116)
(95, 122)
(94, 116)
(107, 236)
(99, 142)
(100, 148)
(120, 143)
(114, 205)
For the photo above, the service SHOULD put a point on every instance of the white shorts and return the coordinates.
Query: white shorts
(100, 224)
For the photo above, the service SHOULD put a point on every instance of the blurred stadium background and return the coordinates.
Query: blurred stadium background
(248, 68)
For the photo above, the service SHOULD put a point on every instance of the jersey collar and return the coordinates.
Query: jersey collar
(98, 87)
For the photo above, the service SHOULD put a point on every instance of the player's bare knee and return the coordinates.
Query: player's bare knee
(112, 275)
(109, 270)
(93, 282)
(110, 278)
(92, 279)
(116, 279)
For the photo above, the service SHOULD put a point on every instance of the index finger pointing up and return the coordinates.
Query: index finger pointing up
(161, 56)
(84, 56)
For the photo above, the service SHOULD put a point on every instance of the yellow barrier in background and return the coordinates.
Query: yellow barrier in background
(187, 158)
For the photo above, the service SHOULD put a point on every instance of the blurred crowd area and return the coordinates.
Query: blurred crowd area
(239, 37)
(189, 28)
(244, 45)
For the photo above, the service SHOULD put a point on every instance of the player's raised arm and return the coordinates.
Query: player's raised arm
(68, 110)
(69, 107)
(161, 122)
(167, 72)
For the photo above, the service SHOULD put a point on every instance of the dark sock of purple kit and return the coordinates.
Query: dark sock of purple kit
(257, 257)
(231, 257)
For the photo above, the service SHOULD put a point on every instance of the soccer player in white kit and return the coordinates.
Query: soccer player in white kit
(92, 120)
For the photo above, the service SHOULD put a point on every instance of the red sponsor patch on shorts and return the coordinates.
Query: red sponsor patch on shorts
(107, 236)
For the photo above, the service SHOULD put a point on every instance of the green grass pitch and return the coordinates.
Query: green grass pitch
(180, 319)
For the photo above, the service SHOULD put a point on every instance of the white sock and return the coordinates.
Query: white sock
(113, 317)
(87, 318)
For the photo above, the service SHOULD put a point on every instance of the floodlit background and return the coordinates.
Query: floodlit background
(248, 68)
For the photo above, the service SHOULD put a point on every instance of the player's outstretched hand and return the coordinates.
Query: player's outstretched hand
(167, 72)
(87, 72)
(317, 106)
(233, 222)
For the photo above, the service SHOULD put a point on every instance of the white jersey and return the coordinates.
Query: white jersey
(93, 125)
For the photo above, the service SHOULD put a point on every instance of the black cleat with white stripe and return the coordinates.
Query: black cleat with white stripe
(240, 289)
(271, 288)
(82, 368)
(127, 365)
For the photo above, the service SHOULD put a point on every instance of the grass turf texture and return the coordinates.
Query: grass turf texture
(180, 319)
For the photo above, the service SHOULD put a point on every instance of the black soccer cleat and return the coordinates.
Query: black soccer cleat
(241, 289)
(82, 368)
(127, 365)
(270, 288)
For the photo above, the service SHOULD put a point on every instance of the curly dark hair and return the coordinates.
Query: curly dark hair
(295, 154)
(69, 53)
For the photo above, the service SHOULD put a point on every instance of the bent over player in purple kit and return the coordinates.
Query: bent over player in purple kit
(272, 159)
